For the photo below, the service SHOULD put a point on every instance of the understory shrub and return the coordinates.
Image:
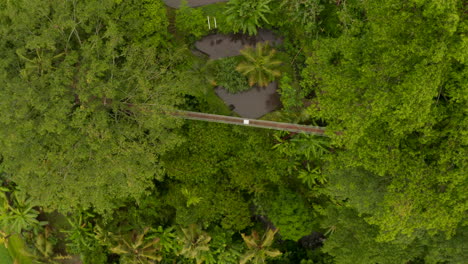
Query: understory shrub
(290, 98)
(191, 22)
(224, 74)
(216, 11)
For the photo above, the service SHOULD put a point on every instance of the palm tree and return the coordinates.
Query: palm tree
(195, 243)
(246, 16)
(259, 248)
(133, 248)
(259, 65)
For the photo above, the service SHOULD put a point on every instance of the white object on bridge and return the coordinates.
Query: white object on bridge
(209, 25)
(216, 26)
(246, 121)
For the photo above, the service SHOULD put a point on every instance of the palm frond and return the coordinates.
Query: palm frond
(260, 64)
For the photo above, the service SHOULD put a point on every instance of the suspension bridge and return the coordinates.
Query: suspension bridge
(250, 122)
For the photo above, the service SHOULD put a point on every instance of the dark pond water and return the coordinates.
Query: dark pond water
(253, 103)
(221, 45)
(257, 101)
(192, 3)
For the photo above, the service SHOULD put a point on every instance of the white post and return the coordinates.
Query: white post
(216, 26)
(209, 25)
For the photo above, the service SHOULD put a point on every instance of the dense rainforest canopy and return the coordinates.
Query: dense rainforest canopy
(94, 170)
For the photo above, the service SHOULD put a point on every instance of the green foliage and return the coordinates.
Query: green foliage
(312, 176)
(82, 240)
(82, 99)
(259, 64)
(134, 248)
(85, 85)
(246, 16)
(220, 165)
(259, 248)
(224, 247)
(192, 199)
(363, 190)
(80, 234)
(224, 74)
(225, 207)
(135, 245)
(290, 97)
(44, 248)
(305, 154)
(4, 255)
(17, 250)
(318, 257)
(289, 213)
(18, 213)
(143, 20)
(151, 210)
(195, 243)
(301, 14)
(439, 249)
(311, 147)
(191, 21)
(353, 241)
(217, 10)
(167, 240)
(393, 86)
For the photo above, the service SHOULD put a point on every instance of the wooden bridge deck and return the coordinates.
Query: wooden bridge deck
(250, 122)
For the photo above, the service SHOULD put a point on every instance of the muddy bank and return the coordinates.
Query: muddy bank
(192, 3)
(219, 45)
(253, 103)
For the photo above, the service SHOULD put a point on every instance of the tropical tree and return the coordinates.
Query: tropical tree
(350, 239)
(309, 147)
(44, 249)
(190, 21)
(18, 212)
(305, 154)
(133, 248)
(287, 211)
(259, 247)
(224, 246)
(167, 241)
(83, 238)
(399, 103)
(195, 243)
(80, 234)
(74, 78)
(302, 15)
(291, 97)
(259, 64)
(246, 16)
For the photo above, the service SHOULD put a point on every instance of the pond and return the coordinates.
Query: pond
(253, 103)
(218, 46)
(192, 3)
(257, 101)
